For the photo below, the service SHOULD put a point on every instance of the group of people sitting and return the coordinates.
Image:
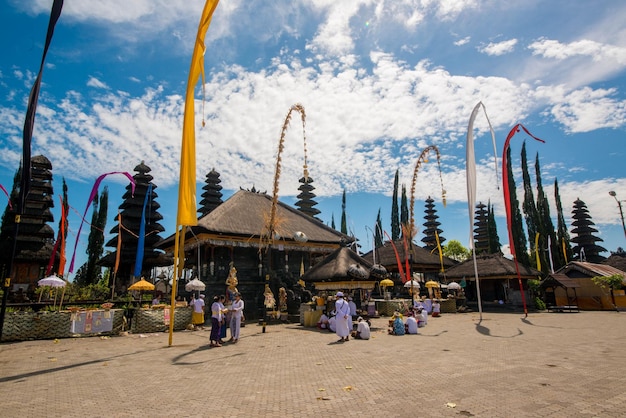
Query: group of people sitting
(417, 317)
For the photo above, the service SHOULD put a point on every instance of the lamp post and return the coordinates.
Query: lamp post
(621, 212)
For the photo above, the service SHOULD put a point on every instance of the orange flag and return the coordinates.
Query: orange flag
(187, 185)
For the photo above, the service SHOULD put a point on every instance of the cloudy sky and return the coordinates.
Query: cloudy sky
(379, 81)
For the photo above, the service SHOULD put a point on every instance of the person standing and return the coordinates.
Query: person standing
(197, 316)
(236, 310)
(343, 317)
(217, 318)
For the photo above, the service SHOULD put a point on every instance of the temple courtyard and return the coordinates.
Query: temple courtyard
(505, 365)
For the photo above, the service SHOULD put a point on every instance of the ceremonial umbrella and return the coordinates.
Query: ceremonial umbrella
(194, 285)
(412, 283)
(454, 286)
(52, 281)
(386, 283)
(141, 285)
(430, 285)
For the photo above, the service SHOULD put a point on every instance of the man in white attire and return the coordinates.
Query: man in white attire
(343, 317)
(235, 318)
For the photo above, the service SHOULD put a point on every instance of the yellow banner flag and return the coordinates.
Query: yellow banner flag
(187, 184)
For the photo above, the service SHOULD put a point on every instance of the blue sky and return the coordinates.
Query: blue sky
(379, 80)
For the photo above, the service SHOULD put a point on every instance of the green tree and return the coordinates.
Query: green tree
(564, 252)
(395, 216)
(545, 227)
(344, 225)
(614, 281)
(95, 246)
(517, 229)
(332, 221)
(456, 251)
(404, 212)
(378, 232)
(530, 210)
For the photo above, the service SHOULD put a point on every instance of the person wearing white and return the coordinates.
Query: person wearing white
(332, 323)
(423, 318)
(323, 322)
(235, 318)
(343, 317)
(362, 330)
(352, 306)
(411, 324)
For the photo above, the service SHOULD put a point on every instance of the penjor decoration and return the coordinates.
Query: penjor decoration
(507, 204)
(470, 169)
(186, 212)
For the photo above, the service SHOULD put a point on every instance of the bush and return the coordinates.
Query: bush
(540, 304)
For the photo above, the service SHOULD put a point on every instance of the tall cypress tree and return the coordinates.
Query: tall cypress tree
(332, 221)
(378, 232)
(564, 253)
(404, 213)
(344, 225)
(95, 246)
(530, 210)
(395, 216)
(545, 227)
(517, 229)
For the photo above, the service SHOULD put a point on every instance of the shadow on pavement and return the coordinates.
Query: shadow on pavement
(487, 332)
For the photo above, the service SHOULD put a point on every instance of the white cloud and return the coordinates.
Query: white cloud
(586, 109)
(498, 48)
(597, 51)
(462, 41)
(94, 82)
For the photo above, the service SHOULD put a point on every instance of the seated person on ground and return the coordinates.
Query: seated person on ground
(362, 330)
(323, 321)
(411, 325)
(397, 326)
(332, 322)
(436, 308)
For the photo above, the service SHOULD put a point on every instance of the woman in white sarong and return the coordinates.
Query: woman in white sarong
(344, 319)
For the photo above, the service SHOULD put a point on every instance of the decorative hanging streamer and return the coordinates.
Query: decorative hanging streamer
(440, 251)
(537, 258)
(119, 242)
(470, 170)
(186, 214)
(395, 250)
(470, 167)
(550, 254)
(8, 197)
(142, 234)
(187, 211)
(407, 255)
(29, 122)
(564, 247)
(60, 242)
(62, 258)
(507, 204)
(94, 191)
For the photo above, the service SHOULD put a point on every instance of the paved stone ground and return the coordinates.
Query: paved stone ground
(546, 365)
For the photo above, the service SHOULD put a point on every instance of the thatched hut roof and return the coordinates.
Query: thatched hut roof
(339, 268)
(421, 259)
(491, 266)
(617, 260)
(335, 266)
(241, 221)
